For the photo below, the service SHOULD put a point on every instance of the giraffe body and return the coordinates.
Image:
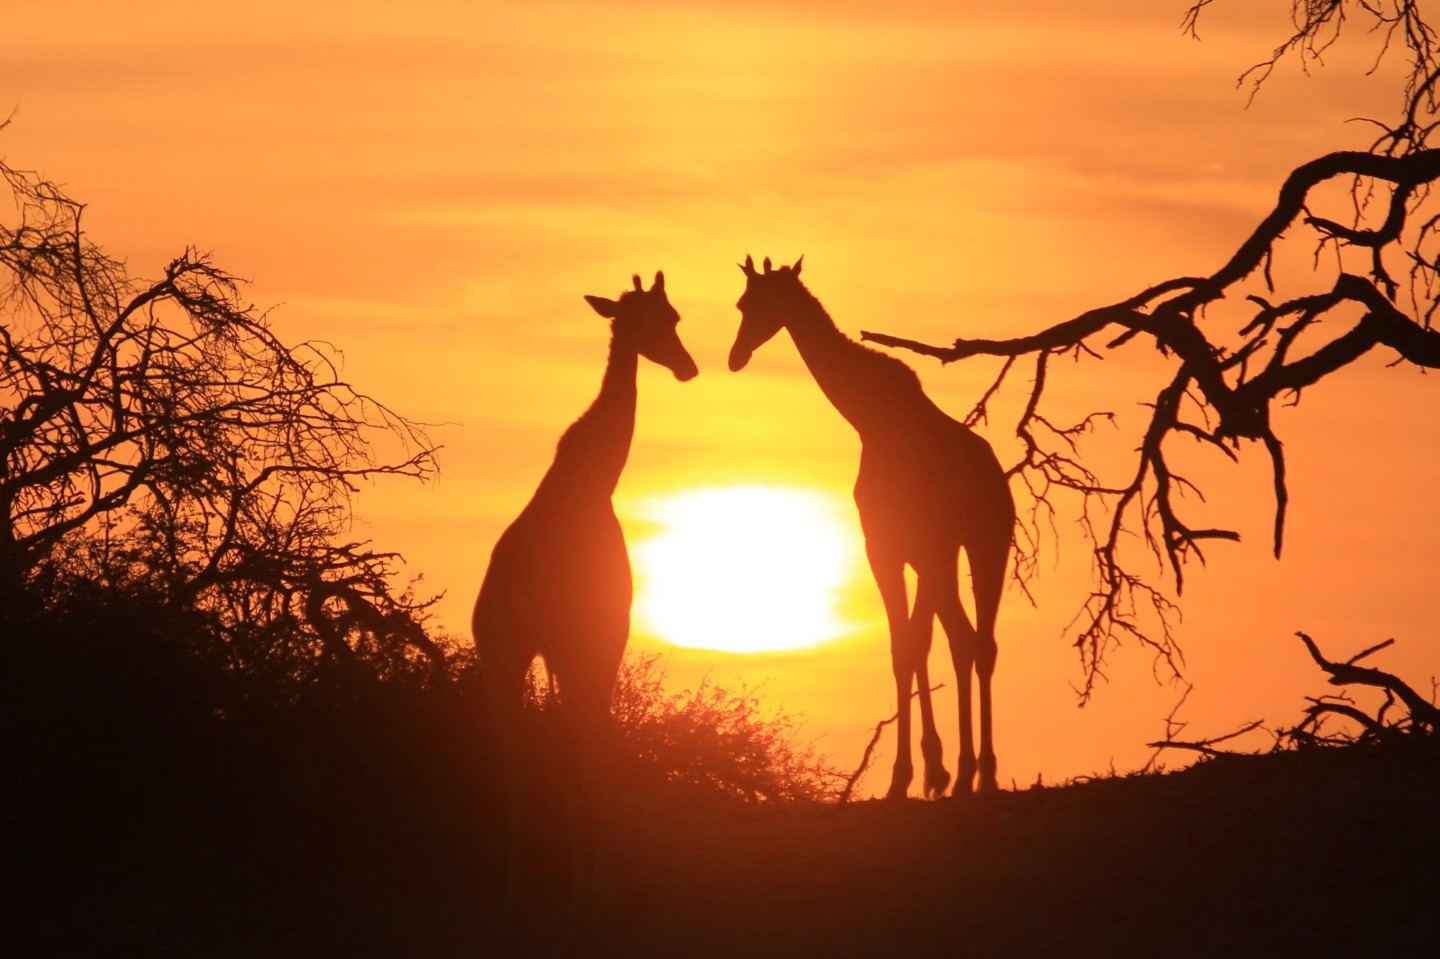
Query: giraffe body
(928, 488)
(559, 588)
(559, 585)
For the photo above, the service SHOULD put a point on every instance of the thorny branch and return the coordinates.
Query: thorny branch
(1224, 381)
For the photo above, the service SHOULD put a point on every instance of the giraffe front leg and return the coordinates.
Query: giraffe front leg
(937, 777)
(988, 572)
(922, 631)
(963, 652)
(963, 644)
(890, 578)
(904, 769)
(984, 671)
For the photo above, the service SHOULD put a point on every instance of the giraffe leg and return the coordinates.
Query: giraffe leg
(890, 578)
(922, 625)
(962, 638)
(987, 571)
(502, 685)
(588, 735)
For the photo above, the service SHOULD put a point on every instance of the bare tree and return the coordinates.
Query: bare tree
(1236, 341)
(159, 432)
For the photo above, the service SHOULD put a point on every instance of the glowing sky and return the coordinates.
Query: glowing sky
(744, 568)
(433, 186)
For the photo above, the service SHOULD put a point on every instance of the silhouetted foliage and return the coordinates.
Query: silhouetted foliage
(216, 707)
(157, 436)
(160, 799)
(1257, 331)
(713, 740)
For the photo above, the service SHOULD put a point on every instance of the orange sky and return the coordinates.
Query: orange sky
(432, 187)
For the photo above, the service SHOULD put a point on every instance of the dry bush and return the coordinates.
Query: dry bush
(717, 741)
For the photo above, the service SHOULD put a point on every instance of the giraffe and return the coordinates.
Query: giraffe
(927, 487)
(558, 586)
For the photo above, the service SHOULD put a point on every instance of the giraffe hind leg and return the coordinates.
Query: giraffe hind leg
(501, 684)
(586, 748)
(963, 643)
(922, 625)
(988, 575)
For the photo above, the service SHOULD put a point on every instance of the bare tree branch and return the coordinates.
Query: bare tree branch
(1229, 381)
(1222, 382)
(218, 462)
(1206, 746)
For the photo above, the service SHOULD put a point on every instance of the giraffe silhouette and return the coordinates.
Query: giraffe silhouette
(928, 487)
(559, 584)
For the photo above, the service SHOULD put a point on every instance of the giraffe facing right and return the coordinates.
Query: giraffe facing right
(559, 587)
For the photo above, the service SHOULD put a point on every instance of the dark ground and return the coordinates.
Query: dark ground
(1321, 853)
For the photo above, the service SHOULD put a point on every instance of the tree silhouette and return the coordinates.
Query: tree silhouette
(158, 436)
(1254, 332)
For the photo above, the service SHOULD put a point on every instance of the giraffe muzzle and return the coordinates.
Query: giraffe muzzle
(739, 356)
(686, 371)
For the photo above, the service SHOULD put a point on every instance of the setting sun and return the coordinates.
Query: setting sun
(743, 568)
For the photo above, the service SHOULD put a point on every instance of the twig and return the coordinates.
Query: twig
(869, 753)
(1206, 746)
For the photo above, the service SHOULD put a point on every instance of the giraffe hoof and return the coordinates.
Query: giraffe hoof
(936, 782)
(897, 791)
(988, 782)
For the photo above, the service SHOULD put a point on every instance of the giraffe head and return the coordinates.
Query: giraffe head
(644, 320)
(763, 306)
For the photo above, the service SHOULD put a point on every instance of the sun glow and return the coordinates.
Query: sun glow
(744, 568)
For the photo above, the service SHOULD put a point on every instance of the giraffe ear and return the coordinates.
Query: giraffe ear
(659, 281)
(636, 280)
(767, 264)
(796, 268)
(606, 308)
(748, 267)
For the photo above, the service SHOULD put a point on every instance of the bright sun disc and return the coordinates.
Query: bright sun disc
(743, 568)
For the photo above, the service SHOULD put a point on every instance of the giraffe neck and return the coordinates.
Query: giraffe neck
(591, 454)
(854, 378)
